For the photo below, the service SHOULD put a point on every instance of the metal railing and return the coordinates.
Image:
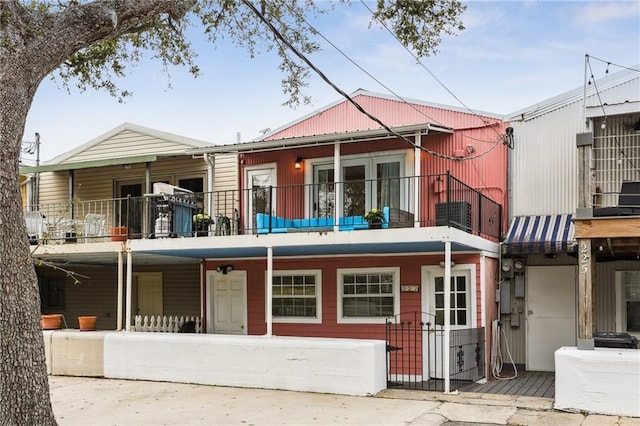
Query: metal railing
(415, 201)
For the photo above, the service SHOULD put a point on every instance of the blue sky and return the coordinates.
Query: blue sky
(511, 55)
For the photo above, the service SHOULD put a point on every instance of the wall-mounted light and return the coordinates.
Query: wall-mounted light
(225, 269)
(636, 127)
(443, 264)
(518, 265)
(126, 166)
(298, 164)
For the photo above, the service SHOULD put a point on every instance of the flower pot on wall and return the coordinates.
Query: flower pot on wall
(119, 233)
(52, 322)
(87, 323)
(375, 225)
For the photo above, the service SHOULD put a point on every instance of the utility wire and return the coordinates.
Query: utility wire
(411, 105)
(300, 55)
(614, 64)
(427, 69)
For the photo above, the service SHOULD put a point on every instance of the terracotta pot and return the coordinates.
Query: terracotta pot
(87, 323)
(118, 233)
(52, 322)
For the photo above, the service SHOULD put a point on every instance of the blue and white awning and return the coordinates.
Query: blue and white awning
(541, 234)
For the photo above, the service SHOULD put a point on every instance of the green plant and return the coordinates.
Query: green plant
(202, 220)
(374, 216)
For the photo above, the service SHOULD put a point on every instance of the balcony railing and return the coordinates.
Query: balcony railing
(416, 201)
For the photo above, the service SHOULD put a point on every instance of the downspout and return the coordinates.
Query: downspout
(35, 191)
(149, 221)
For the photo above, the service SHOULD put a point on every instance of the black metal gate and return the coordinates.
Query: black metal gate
(415, 353)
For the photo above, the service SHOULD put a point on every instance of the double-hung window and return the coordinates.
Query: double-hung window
(297, 296)
(367, 295)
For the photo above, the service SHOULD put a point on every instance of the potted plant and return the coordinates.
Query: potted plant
(72, 233)
(375, 218)
(201, 223)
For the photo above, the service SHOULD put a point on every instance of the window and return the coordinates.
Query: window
(367, 182)
(296, 296)
(51, 293)
(463, 295)
(367, 295)
(629, 302)
(459, 312)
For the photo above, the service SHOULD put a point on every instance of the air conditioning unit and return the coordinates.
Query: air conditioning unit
(459, 215)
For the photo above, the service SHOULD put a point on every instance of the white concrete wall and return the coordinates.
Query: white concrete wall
(604, 380)
(74, 353)
(341, 366)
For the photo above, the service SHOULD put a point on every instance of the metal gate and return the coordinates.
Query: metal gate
(415, 353)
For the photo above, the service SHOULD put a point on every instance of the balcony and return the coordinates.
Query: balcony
(416, 201)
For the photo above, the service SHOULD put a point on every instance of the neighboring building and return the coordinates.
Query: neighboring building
(288, 252)
(540, 299)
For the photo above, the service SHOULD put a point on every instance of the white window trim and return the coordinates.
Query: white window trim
(367, 320)
(369, 159)
(429, 273)
(295, 320)
(621, 322)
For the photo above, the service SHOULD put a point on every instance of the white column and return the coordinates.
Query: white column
(417, 171)
(337, 190)
(129, 279)
(447, 313)
(120, 289)
(269, 313)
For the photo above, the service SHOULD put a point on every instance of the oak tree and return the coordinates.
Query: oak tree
(90, 44)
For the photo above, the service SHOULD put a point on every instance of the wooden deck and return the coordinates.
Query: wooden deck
(527, 383)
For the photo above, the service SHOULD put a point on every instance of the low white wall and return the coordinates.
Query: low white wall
(74, 353)
(341, 366)
(604, 380)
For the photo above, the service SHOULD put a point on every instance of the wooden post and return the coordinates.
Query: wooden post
(585, 302)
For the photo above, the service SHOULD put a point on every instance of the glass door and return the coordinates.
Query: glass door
(261, 194)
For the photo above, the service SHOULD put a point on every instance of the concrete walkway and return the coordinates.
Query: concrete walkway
(92, 401)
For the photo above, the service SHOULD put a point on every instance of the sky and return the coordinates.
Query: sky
(512, 55)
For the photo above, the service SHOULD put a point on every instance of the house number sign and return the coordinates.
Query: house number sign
(409, 288)
(584, 258)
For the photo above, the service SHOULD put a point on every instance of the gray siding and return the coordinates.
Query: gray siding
(97, 294)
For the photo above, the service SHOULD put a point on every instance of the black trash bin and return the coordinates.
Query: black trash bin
(609, 339)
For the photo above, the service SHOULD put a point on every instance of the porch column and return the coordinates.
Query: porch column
(269, 313)
(337, 190)
(417, 171)
(129, 278)
(585, 274)
(447, 313)
(120, 289)
(211, 184)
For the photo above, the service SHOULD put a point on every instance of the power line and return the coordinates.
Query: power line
(302, 57)
(427, 69)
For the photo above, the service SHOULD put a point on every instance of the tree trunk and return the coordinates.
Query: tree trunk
(24, 386)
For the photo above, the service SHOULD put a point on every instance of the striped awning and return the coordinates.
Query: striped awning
(540, 234)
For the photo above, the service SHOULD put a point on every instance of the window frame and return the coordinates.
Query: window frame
(370, 160)
(621, 305)
(429, 274)
(340, 293)
(294, 320)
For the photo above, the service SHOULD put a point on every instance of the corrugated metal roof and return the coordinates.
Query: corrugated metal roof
(342, 116)
(595, 93)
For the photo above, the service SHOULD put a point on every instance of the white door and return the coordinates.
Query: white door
(462, 314)
(262, 194)
(149, 294)
(551, 313)
(226, 302)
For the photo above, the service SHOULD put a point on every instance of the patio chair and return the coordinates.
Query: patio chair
(36, 225)
(628, 202)
(94, 225)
